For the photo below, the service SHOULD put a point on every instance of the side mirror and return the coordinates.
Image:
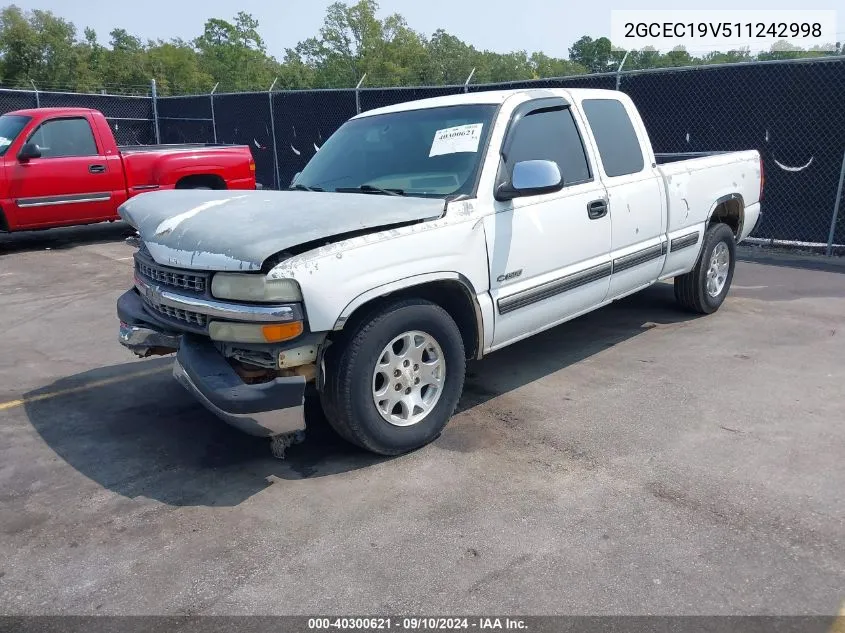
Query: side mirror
(530, 178)
(28, 151)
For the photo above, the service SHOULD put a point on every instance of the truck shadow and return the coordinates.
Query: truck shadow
(62, 238)
(567, 344)
(135, 431)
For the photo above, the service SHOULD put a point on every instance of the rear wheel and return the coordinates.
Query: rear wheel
(392, 384)
(704, 288)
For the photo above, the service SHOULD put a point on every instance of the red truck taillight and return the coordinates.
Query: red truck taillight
(762, 180)
(251, 165)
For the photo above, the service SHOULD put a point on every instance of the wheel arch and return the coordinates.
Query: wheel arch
(728, 209)
(213, 181)
(450, 290)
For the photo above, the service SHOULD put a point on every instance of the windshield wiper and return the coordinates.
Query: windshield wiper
(373, 189)
(298, 187)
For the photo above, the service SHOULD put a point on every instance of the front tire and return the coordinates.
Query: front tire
(393, 383)
(704, 288)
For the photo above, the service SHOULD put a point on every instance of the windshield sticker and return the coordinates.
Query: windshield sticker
(452, 140)
(5, 141)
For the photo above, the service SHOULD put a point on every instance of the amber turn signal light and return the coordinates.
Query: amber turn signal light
(281, 331)
(254, 332)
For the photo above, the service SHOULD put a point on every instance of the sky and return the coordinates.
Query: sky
(550, 26)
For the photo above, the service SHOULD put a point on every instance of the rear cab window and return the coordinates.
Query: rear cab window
(619, 146)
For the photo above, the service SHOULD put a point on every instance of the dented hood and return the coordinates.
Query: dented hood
(238, 230)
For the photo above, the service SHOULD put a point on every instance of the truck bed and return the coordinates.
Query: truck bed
(695, 182)
(672, 157)
(169, 147)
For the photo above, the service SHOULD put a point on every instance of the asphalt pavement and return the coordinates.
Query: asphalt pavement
(638, 460)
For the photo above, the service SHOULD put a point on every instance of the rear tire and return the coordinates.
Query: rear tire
(410, 353)
(704, 288)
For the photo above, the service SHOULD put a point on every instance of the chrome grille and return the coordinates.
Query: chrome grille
(185, 281)
(185, 316)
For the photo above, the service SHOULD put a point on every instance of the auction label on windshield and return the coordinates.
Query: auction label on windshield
(723, 30)
(451, 140)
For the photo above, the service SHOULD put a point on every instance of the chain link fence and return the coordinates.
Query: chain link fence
(791, 111)
(185, 119)
(303, 121)
(130, 117)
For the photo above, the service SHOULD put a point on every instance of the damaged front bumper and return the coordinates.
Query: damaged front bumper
(264, 409)
(139, 332)
(147, 342)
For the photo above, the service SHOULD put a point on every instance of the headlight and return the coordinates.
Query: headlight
(254, 288)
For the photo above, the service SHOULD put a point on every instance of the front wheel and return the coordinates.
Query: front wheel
(705, 287)
(392, 384)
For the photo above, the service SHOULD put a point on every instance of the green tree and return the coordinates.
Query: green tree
(294, 74)
(37, 46)
(176, 68)
(645, 58)
(235, 54)
(450, 60)
(597, 56)
(676, 57)
(92, 57)
(403, 53)
(496, 67)
(124, 65)
(545, 66)
(354, 41)
(731, 57)
(784, 50)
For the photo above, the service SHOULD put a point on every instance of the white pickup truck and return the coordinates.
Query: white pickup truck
(419, 236)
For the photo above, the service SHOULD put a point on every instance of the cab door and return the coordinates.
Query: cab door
(68, 181)
(549, 254)
(635, 194)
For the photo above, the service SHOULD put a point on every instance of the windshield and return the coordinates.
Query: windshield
(10, 126)
(433, 152)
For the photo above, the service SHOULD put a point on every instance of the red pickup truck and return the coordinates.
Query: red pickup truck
(62, 166)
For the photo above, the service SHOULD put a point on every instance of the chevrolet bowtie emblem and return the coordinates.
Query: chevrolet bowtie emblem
(151, 293)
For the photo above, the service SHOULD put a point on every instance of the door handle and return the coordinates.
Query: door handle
(597, 209)
(97, 169)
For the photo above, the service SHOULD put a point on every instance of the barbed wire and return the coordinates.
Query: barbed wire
(121, 89)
